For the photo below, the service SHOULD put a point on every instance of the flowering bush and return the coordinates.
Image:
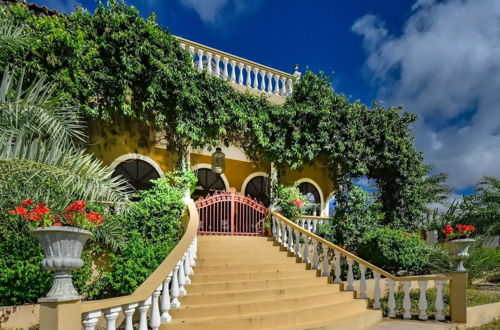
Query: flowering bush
(39, 215)
(460, 231)
(289, 201)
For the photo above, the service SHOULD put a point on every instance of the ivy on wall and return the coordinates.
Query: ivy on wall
(115, 63)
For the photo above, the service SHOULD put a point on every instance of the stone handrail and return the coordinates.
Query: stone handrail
(167, 281)
(312, 222)
(239, 71)
(302, 242)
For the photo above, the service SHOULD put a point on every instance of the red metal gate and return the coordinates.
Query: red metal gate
(231, 213)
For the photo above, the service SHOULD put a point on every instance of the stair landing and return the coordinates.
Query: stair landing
(248, 283)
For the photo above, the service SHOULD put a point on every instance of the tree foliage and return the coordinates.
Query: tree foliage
(114, 62)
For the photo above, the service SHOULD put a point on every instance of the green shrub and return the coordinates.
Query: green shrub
(394, 250)
(289, 201)
(483, 264)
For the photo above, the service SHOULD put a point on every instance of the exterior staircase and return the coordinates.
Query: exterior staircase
(244, 282)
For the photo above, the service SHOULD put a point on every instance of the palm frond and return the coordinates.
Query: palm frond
(78, 174)
(13, 38)
(36, 112)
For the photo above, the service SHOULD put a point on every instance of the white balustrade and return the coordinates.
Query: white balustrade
(143, 314)
(165, 300)
(248, 82)
(225, 75)
(154, 319)
(191, 53)
(376, 291)
(90, 320)
(200, 60)
(276, 84)
(391, 302)
(182, 278)
(209, 63)
(174, 289)
(233, 70)
(297, 243)
(315, 263)
(240, 73)
(283, 87)
(187, 268)
(263, 80)
(285, 237)
(406, 300)
(337, 267)
(326, 262)
(111, 314)
(350, 275)
(362, 282)
(269, 82)
(128, 311)
(305, 254)
(422, 301)
(439, 300)
(290, 240)
(217, 65)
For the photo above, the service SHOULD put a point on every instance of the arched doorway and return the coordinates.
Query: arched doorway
(259, 187)
(208, 183)
(312, 195)
(137, 172)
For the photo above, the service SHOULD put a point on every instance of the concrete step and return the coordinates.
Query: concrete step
(254, 284)
(357, 321)
(290, 317)
(259, 306)
(250, 275)
(243, 268)
(237, 254)
(230, 262)
(260, 294)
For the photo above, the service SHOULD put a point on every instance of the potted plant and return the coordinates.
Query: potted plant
(457, 242)
(62, 237)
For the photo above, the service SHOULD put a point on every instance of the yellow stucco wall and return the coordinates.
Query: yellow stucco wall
(112, 140)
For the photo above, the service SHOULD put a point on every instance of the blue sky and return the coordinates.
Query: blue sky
(439, 59)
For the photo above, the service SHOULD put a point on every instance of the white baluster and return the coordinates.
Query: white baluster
(439, 300)
(217, 65)
(350, 276)
(240, 73)
(111, 314)
(209, 63)
(269, 82)
(314, 227)
(200, 60)
(183, 46)
(182, 278)
(297, 243)
(362, 282)
(338, 271)
(187, 269)
(248, 83)
(391, 303)
(406, 300)
(129, 311)
(326, 262)
(283, 87)
(289, 87)
(285, 236)
(315, 263)
(376, 291)
(233, 71)
(225, 75)
(290, 240)
(263, 80)
(191, 53)
(192, 260)
(195, 247)
(256, 78)
(174, 289)
(154, 318)
(422, 301)
(90, 320)
(143, 314)
(276, 84)
(274, 231)
(165, 300)
(305, 254)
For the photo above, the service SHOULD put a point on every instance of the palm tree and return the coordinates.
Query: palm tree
(41, 138)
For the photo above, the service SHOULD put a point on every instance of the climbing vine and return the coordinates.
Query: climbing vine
(115, 63)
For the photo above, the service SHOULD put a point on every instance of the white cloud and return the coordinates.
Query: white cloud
(444, 66)
(214, 12)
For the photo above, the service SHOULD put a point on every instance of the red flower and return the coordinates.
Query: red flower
(95, 218)
(69, 217)
(21, 211)
(56, 217)
(27, 202)
(41, 209)
(12, 212)
(77, 206)
(57, 224)
(298, 203)
(447, 230)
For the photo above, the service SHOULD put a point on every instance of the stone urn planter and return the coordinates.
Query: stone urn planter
(62, 247)
(458, 250)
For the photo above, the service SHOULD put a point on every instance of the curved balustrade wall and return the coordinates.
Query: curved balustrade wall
(327, 258)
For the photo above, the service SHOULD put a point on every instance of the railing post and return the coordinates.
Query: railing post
(60, 315)
(458, 297)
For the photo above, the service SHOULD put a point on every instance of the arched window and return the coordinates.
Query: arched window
(312, 195)
(208, 183)
(137, 172)
(259, 188)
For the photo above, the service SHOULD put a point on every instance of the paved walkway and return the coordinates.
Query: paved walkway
(411, 325)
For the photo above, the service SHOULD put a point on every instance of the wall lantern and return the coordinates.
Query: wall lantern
(218, 158)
